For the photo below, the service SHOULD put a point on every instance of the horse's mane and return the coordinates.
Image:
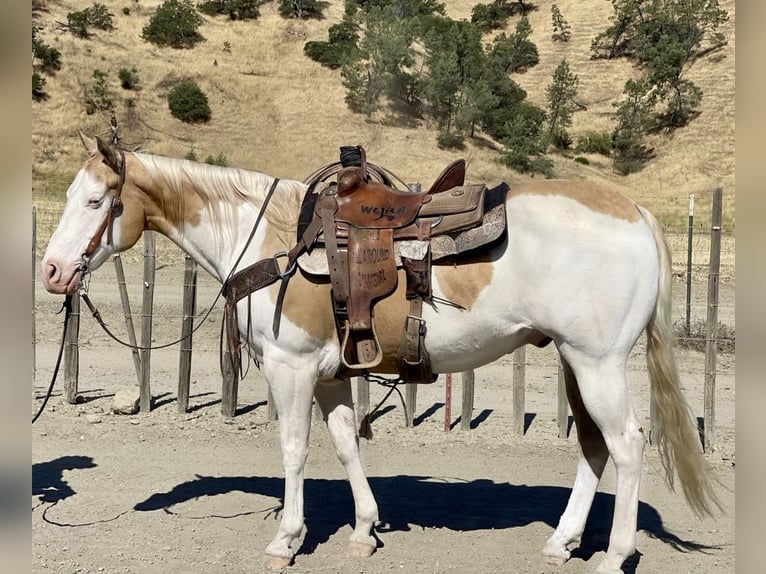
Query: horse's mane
(223, 188)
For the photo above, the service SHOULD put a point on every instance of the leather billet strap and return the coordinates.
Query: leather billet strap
(115, 210)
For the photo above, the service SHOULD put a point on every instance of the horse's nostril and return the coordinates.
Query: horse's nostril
(52, 270)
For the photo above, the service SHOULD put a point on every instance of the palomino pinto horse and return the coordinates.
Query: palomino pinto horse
(583, 266)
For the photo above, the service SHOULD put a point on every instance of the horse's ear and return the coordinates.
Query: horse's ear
(90, 144)
(112, 158)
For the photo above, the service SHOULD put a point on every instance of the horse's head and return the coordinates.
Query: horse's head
(96, 221)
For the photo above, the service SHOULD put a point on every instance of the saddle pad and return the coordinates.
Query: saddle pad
(491, 229)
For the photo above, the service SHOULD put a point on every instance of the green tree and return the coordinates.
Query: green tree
(386, 54)
(188, 102)
(616, 40)
(635, 118)
(97, 16)
(560, 95)
(561, 30)
(174, 24)
(522, 137)
(515, 52)
(342, 46)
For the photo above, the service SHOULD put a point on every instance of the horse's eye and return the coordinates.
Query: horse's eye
(95, 202)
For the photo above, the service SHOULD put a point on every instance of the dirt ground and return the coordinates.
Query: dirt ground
(169, 492)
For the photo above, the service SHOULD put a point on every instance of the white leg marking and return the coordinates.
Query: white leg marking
(335, 400)
(292, 390)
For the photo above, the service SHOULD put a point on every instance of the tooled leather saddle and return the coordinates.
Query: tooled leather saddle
(359, 230)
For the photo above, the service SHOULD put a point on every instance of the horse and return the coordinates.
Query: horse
(579, 265)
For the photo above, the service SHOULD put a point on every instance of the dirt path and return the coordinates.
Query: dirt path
(165, 492)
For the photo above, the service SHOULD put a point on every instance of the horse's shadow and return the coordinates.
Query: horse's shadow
(47, 477)
(407, 501)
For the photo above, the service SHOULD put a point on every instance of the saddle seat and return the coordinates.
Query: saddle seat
(370, 229)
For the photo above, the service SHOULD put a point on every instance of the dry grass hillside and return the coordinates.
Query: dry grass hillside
(276, 111)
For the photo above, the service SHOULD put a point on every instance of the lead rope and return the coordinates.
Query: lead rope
(365, 427)
(67, 308)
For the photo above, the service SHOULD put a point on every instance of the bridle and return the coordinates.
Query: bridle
(114, 211)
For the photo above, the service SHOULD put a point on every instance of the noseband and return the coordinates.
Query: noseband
(115, 210)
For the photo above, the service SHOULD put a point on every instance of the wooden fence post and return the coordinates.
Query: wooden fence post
(72, 353)
(447, 402)
(519, 374)
(187, 326)
(563, 404)
(120, 272)
(410, 403)
(34, 286)
(362, 399)
(230, 387)
(146, 320)
(711, 342)
(467, 378)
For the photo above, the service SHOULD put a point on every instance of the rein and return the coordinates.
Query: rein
(115, 211)
(67, 308)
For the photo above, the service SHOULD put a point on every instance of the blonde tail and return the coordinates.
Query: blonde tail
(676, 434)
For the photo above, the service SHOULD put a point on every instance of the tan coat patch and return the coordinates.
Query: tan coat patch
(596, 198)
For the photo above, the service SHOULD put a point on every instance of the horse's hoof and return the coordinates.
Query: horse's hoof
(555, 557)
(278, 563)
(360, 549)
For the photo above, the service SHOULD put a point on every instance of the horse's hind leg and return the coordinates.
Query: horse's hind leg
(337, 406)
(590, 467)
(603, 389)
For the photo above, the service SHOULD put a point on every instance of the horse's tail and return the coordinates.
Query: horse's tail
(676, 434)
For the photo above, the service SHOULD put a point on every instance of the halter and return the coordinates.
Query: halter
(115, 210)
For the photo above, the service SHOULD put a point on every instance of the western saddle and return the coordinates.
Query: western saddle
(358, 230)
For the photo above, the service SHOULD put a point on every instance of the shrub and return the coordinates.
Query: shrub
(191, 153)
(561, 139)
(220, 159)
(77, 22)
(97, 96)
(594, 142)
(449, 140)
(46, 58)
(100, 17)
(38, 87)
(301, 9)
(174, 24)
(188, 103)
(582, 160)
(696, 338)
(234, 9)
(128, 78)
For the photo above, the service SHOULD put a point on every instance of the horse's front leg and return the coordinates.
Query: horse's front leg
(335, 400)
(292, 390)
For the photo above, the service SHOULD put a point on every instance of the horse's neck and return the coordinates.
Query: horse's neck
(212, 228)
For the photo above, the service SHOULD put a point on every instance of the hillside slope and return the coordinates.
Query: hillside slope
(276, 111)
